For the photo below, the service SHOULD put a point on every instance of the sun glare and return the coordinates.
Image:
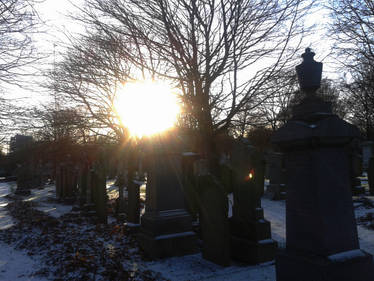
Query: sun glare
(147, 107)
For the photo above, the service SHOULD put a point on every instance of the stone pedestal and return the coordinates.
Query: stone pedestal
(250, 233)
(166, 227)
(320, 221)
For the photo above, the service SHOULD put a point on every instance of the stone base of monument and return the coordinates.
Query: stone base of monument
(252, 252)
(352, 265)
(251, 240)
(166, 234)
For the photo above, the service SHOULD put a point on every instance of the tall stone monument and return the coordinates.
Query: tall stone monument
(166, 226)
(321, 233)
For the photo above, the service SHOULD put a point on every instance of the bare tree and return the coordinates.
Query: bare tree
(219, 53)
(352, 29)
(18, 21)
(360, 99)
(87, 78)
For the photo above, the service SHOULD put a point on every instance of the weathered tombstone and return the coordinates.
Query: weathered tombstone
(189, 183)
(250, 233)
(82, 184)
(321, 233)
(133, 203)
(24, 180)
(166, 227)
(356, 172)
(371, 175)
(133, 190)
(276, 189)
(99, 196)
(367, 153)
(213, 209)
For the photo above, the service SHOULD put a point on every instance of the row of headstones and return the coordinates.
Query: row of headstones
(166, 227)
(88, 183)
(28, 177)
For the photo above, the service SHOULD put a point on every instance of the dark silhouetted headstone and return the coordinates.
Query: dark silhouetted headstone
(250, 233)
(99, 195)
(367, 153)
(214, 224)
(356, 172)
(166, 226)
(321, 234)
(276, 189)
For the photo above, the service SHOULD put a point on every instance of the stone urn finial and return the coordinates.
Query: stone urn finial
(309, 73)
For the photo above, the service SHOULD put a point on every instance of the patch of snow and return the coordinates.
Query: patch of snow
(230, 198)
(174, 235)
(266, 241)
(17, 265)
(194, 268)
(45, 200)
(6, 221)
(188, 153)
(347, 255)
(129, 224)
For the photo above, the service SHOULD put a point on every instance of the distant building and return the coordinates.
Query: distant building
(19, 142)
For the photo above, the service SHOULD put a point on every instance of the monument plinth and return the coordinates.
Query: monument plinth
(321, 233)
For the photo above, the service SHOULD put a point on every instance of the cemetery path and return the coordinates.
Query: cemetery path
(6, 220)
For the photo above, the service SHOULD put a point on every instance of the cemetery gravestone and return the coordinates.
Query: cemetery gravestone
(189, 183)
(276, 190)
(250, 233)
(213, 209)
(166, 227)
(367, 153)
(356, 172)
(133, 190)
(99, 196)
(82, 184)
(321, 233)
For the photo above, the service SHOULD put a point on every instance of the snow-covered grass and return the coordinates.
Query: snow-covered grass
(16, 264)
(194, 267)
(6, 188)
(45, 201)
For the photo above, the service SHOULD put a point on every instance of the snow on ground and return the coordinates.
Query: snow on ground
(45, 200)
(6, 188)
(17, 265)
(194, 267)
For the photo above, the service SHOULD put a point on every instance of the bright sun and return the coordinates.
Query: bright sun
(147, 107)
